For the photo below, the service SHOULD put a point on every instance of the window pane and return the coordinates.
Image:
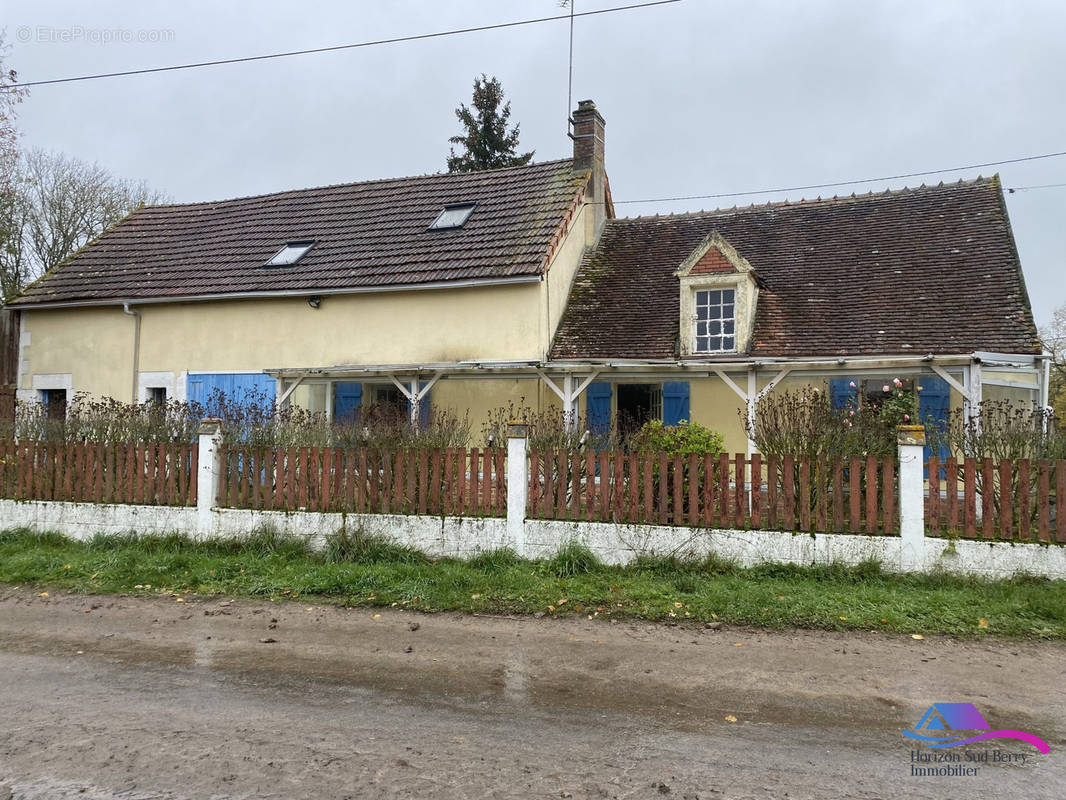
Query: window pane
(727, 311)
(715, 298)
(727, 327)
(728, 295)
(714, 327)
(727, 343)
(701, 312)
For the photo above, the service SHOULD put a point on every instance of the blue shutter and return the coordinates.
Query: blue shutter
(842, 395)
(347, 398)
(934, 408)
(240, 388)
(675, 402)
(598, 407)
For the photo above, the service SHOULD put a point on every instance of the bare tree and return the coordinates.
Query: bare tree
(1054, 339)
(10, 97)
(60, 204)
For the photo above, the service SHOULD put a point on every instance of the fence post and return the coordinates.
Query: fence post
(910, 440)
(209, 471)
(517, 484)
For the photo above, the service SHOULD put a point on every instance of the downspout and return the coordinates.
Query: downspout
(136, 346)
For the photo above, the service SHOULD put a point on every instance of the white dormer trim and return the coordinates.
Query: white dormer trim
(741, 280)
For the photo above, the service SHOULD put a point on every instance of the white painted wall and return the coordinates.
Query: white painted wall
(614, 544)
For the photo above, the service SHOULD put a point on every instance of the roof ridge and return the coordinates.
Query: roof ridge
(373, 181)
(853, 197)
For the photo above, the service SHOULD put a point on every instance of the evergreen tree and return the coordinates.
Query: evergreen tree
(487, 142)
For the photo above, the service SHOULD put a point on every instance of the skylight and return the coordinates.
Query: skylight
(290, 253)
(453, 216)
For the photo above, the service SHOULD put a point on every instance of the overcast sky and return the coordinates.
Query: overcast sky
(700, 97)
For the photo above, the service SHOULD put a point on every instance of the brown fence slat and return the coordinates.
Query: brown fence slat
(772, 476)
(1006, 501)
(838, 495)
(951, 490)
(988, 499)
(969, 498)
(724, 504)
(590, 485)
(1060, 500)
(740, 502)
(888, 494)
(1023, 499)
(854, 494)
(871, 494)
(693, 518)
(821, 490)
(805, 494)
(933, 521)
(756, 491)
(788, 479)
(1043, 501)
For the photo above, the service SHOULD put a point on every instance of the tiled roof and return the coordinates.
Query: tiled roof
(926, 270)
(367, 234)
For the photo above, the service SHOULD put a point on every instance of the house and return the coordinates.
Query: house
(472, 291)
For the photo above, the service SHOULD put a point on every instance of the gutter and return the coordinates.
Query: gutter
(198, 298)
(136, 347)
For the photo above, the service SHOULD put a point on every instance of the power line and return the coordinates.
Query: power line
(395, 40)
(849, 183)
(1014, 189)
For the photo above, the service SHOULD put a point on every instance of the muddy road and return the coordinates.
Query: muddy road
(135, 698)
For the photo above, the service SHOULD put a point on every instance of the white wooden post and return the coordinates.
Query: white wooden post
(517, 484)
(910, 440)
(208, 473)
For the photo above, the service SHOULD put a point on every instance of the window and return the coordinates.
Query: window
(157, 395)
(55, 403)
(715, 320)
(638, 403)
(290, 254)
(453, 216)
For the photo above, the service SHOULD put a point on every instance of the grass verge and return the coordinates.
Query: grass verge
(361, 570)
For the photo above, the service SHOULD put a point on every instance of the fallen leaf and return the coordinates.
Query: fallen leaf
(917, 636)
(551, 608)
(678, 605)
(982, 623)
(268, 640)
(376, 616)
(474, 596)
(730, 718)
(884, 620)
(845, 619)
(181, 600)
(738, 644)
(66, 566)
(43, 594)
(562, 601)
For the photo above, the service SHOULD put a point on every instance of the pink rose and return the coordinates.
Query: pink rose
(852, 384)
(897, 382)
(885, 388)
(906, 417)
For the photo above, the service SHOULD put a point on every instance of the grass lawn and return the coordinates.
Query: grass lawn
(369, 572)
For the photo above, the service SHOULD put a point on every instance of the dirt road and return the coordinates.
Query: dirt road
(120, 697)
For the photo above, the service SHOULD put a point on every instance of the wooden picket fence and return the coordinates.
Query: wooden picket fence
(999, 500)
(425, 481)
(97, 472)
(856, 495)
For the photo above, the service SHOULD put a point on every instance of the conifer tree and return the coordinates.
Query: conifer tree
(487, 142)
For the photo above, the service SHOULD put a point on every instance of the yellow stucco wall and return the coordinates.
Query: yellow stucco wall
(95, 345)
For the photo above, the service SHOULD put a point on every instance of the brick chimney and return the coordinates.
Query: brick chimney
(588, 138)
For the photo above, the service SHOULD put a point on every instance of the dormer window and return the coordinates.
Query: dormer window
(719, 291)
(453, 216)
(290, 253)
(715, 321)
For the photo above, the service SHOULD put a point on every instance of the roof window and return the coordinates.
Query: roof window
(453, 216)
(290, 253)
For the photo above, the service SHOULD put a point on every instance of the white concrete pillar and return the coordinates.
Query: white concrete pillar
(208, 473)
(517, 484)
(911, 443)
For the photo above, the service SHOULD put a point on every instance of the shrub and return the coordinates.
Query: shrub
(573, 558)
(685, 439)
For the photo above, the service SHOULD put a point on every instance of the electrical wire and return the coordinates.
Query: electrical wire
(849, 183)
(1014, 189)
(395, 40)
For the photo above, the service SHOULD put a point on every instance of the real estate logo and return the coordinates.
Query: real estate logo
(947, 725)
